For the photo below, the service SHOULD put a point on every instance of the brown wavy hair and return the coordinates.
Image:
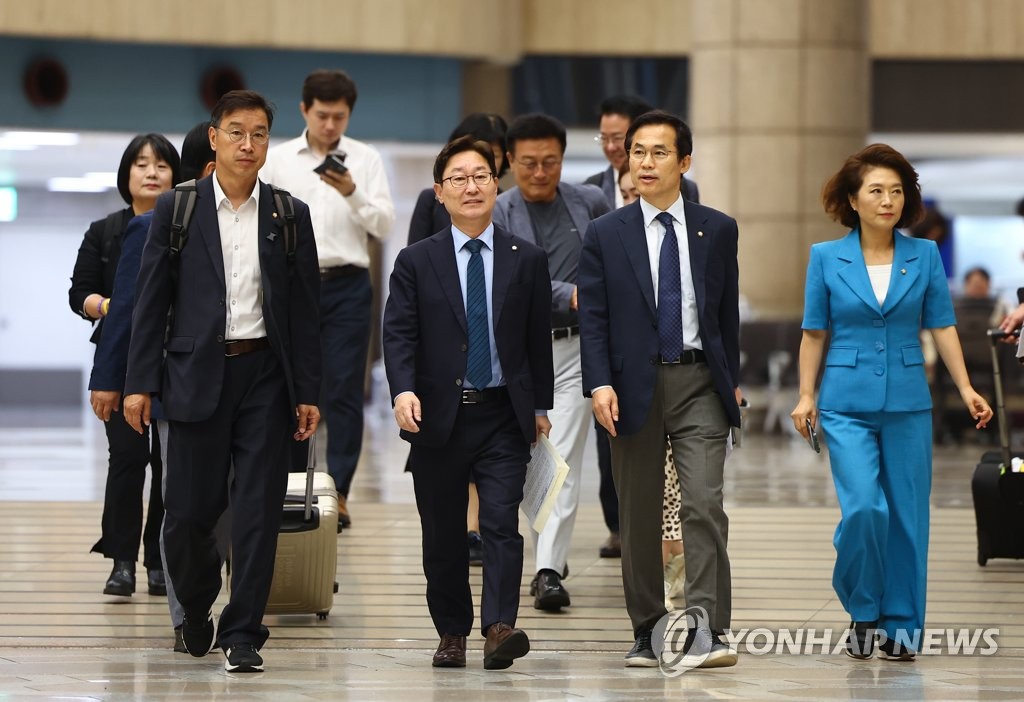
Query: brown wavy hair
(838, 190)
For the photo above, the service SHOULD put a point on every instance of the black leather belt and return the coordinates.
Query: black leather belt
(687, 357)
(477, 397)
(565, 332)
(237, 348)
(340, 271)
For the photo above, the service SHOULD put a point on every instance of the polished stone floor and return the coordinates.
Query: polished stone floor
(60, 638)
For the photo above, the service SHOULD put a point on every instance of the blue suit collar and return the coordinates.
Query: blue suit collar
(905, 270)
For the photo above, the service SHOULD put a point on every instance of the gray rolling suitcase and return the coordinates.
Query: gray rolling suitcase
(307, 546)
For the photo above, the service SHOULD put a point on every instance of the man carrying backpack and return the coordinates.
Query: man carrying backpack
(240, 377)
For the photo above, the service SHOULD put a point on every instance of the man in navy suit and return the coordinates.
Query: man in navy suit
(237, 376)
(659, 322)
(467, 349)
(553, 214)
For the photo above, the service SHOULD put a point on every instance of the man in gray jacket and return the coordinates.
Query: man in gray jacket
(554, 215)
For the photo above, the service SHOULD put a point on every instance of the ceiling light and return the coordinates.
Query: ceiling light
(75, 185)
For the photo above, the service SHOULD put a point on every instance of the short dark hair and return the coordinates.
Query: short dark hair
(162, 149)
(1020, 207)
(458, 146)
(684, 137)
(838, 190)
(629, 106)
(235, 100)
(484, 126)
(534, 126)
(977, 270)
(329, 85)
(196, 151)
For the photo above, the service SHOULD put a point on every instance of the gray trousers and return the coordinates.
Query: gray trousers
(222, 531)
(686, 409)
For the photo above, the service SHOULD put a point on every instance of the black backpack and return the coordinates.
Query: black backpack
(185, 203)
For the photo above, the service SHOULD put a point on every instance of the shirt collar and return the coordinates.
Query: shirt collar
(302, 143)
(219, 196)
(676, 209)
(461, 238)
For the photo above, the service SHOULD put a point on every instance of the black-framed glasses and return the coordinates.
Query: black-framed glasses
(237, 136)
(461, 181)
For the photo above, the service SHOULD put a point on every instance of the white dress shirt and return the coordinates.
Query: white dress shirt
(239, 242)
(340, 224)
(655, 233)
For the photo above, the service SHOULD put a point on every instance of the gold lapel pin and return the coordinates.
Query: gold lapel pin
(700, 233)
(274, 215)
(515, 248)
(903, 271)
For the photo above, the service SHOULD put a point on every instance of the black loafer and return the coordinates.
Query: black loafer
(476, 548)
(550, 594)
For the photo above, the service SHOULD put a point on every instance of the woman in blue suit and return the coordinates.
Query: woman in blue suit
(874, 290)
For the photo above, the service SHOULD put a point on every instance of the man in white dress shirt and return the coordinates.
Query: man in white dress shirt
(347, 206)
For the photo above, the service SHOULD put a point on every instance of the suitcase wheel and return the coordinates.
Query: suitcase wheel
(321, 616)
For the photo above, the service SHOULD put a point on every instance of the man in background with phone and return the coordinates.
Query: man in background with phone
(348, 204)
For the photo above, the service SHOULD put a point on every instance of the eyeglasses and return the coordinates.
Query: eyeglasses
(614, 139)
(237, 136)
(460, 181)
(546, 165)
(640, 155)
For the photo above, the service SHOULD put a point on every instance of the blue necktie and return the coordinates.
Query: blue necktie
(670, 294)
(478, 358)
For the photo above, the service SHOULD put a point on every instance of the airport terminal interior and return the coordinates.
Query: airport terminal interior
(778, 92)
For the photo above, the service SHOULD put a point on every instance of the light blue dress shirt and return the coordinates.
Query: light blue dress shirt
(462, 255)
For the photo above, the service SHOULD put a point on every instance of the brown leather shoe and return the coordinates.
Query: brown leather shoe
(344, 520)
(504, 644)
(612, 548)
(451, 652)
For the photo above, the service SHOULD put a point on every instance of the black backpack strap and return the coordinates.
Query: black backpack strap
(184, 204)
(285, 206)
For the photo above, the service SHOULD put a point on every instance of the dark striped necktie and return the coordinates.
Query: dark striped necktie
(478, 358)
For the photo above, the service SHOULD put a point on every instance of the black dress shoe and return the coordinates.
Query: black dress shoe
(157, 582)
(533, 583)
(889, 650)
(550, 595)
(476, 548)
(122, 579)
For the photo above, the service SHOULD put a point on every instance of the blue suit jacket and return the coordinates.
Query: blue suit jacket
(425, 333)
(584, 202)
(189, 379)
(618, 317)
(874, 360)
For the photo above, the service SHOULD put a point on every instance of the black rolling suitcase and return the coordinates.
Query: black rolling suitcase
(998, 492)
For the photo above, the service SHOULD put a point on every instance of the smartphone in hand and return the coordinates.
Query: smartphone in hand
(333, 162)
(812, 437)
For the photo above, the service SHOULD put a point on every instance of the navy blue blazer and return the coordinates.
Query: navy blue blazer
(425, 334)
(874, 361)
(189, 380)
(619, 319)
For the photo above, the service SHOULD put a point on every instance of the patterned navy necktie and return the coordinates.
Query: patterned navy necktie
(478, 358)
(670, 293)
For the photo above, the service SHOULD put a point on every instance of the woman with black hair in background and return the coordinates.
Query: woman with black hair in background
(149, 167)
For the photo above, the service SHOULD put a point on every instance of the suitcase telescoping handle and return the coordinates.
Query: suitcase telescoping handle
(994, 336)
(310, 469)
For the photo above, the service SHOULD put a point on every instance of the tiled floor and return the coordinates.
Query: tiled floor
(60, 638)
